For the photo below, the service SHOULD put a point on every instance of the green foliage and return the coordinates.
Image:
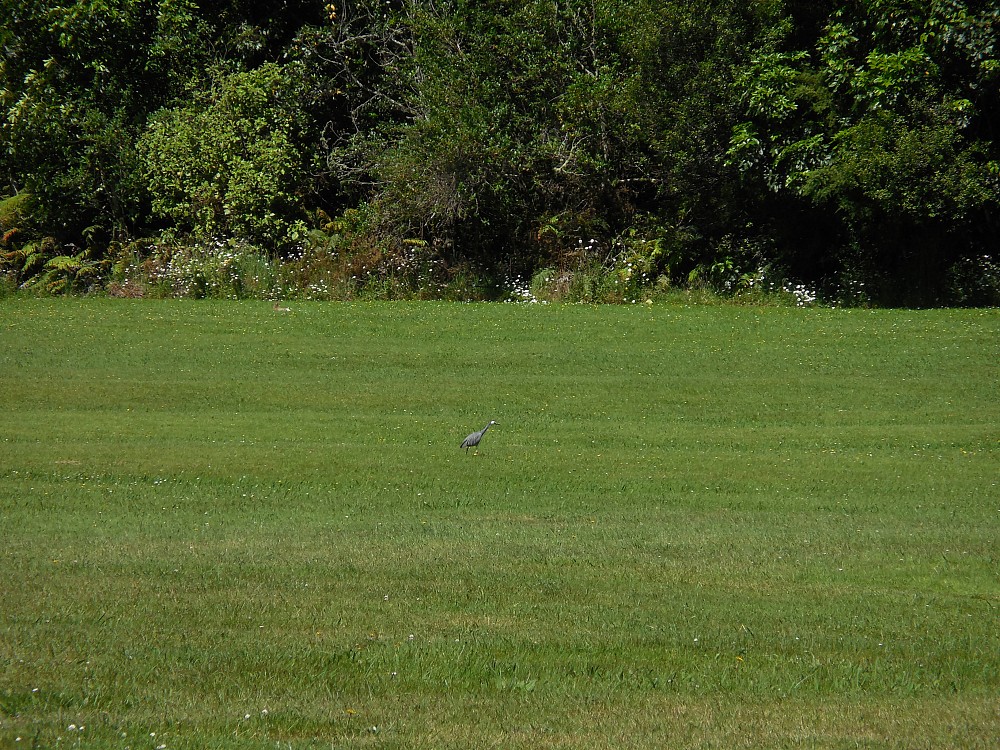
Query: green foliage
(974, 282)
(212, 269)
(72, 85)
(42, 266)
(69, 273)
(25, 260)
(327, 267)
(15, 213)
(227, 164)
(889, 126)
(838, 140)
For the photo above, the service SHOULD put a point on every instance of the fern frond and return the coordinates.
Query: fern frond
(68, 263)
(32, 262)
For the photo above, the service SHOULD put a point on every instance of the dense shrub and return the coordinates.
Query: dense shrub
(228, 163)
(416, 148)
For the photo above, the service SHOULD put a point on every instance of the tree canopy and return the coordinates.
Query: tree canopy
(848, 146)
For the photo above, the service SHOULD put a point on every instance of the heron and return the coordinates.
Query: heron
(473, 440)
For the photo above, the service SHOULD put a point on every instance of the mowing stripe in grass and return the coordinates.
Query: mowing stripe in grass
(693, 527)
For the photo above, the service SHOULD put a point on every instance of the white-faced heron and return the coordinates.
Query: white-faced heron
(473, 440)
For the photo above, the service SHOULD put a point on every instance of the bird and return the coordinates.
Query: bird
(473, 440)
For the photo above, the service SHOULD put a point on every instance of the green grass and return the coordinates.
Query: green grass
(693, 527)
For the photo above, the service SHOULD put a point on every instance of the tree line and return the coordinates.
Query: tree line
(846, 146)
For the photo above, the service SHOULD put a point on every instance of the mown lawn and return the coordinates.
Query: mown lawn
(711, 527)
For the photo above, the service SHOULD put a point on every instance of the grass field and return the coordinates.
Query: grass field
(709, 527)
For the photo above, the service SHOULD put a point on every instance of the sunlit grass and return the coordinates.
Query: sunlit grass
(692, 527)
